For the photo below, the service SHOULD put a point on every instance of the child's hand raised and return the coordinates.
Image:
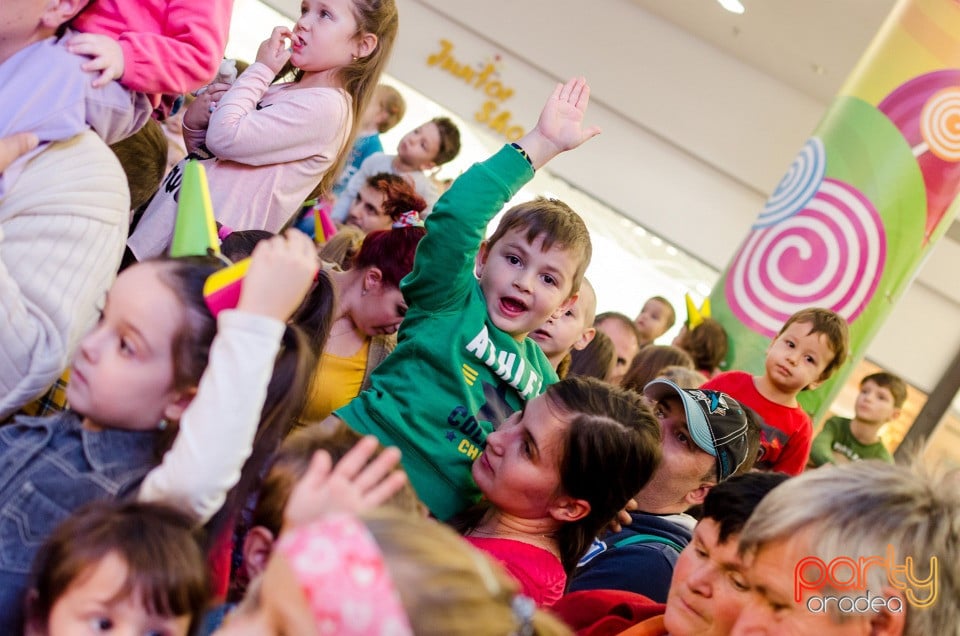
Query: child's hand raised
(106, 53)
(282, 269)
(560, 126)
(358, 482)
(273, 51)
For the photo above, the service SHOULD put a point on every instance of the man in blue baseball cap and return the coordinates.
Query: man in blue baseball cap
(707, 437)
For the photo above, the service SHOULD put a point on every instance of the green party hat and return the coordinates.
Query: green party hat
(195, 232)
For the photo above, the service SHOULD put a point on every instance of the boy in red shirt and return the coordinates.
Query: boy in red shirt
(811, 345)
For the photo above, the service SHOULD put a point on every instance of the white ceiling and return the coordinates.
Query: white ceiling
(809, 44)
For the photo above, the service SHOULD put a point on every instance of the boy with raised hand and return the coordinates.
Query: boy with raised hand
(463, 361)
(843, 440)
(811, 345)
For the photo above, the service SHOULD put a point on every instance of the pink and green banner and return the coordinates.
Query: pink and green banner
(867, 196)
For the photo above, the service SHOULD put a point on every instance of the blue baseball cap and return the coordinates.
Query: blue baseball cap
(717, 423)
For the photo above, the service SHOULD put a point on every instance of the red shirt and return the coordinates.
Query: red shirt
(539, 572)
(786, 431)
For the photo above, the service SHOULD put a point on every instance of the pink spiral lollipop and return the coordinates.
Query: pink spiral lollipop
(940, 125)
(830, 254)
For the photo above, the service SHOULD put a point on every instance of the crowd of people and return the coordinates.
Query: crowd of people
(397, 424)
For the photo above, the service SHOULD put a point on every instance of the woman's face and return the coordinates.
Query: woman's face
(381, 310)
(519, 470)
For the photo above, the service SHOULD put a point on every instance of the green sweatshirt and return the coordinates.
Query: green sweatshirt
(836, 437)
(454, 375)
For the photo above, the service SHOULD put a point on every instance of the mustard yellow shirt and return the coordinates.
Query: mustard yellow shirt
(338, 381)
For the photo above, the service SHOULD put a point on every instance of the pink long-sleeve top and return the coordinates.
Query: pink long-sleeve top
(169, 46)
(271, 146)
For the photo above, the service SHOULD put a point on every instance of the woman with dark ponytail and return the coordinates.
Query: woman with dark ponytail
(547, 482)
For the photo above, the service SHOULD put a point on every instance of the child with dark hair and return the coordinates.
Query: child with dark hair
(145, 407)
(237, 246)
(131, 567)
(811, 345)
(596, 360)
(430, 145)
(650, 363)
(706, 343)
(844, 440)
(655, 319)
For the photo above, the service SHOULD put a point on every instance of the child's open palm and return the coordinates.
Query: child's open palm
(560, 126)
(561, 120)
(360, 481)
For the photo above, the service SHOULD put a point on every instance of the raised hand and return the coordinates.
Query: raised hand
(282, 269)
(560, 126)
(354, 485)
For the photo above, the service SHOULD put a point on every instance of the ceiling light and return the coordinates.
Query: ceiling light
(733, 6)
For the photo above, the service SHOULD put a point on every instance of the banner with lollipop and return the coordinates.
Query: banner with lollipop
(869, 193)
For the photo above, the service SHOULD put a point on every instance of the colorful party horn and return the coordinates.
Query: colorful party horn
(195, 232)
(222, 288)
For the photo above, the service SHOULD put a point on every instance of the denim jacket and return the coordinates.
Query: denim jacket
(49, 467)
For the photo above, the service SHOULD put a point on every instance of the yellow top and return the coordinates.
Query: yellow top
(338, 381)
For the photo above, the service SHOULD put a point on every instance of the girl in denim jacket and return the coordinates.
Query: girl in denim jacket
(136, 391)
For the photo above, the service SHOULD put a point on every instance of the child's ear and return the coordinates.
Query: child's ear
(585, 338)
(366, 44)
(567, 509)
(174, 411)
(257, 546)
(481, 258)
(813, 385)
(428, 165)
(59, 12)
(895, 414)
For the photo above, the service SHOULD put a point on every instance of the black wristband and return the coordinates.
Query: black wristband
(523, 153)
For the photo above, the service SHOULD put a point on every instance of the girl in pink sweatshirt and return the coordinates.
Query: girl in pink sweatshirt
(267, 146)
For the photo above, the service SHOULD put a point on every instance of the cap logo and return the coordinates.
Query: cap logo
(716, 405)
